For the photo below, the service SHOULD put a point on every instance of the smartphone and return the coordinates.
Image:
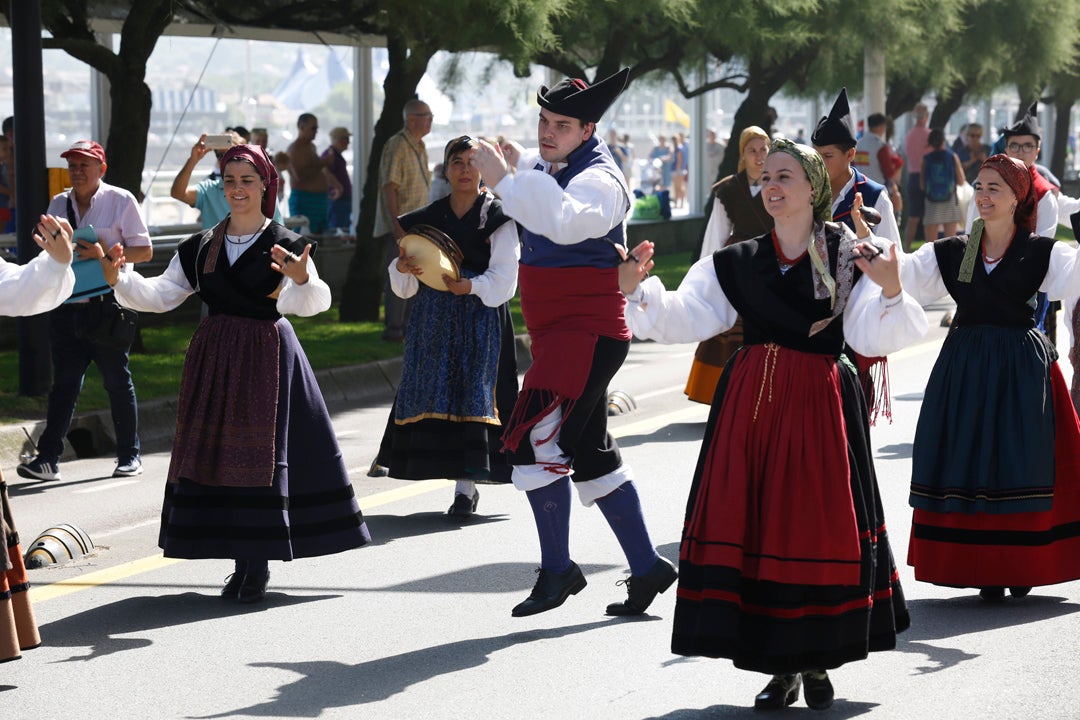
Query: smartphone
(85, 235)
(219, 142)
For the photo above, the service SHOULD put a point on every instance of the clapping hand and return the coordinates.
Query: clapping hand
(53, 235)
(291, 266)
(635, 266)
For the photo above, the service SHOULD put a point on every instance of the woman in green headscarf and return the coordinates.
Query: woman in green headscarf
(785, 566)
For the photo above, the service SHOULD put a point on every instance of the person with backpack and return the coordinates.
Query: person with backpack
(940, 175)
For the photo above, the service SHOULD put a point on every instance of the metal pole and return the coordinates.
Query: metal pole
(31, 181)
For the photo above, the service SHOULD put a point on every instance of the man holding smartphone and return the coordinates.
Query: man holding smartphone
(114, 214)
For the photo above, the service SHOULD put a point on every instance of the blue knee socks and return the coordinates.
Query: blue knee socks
(551, 508)
(622, 510)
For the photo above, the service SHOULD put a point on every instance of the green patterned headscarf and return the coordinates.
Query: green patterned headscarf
(818, 175)
(814, 166)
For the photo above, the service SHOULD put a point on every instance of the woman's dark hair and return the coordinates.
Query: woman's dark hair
(455, 147)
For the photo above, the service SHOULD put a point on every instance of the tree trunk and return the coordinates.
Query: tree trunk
(1063, 109)
(362, 293)
(765, 80)
(948, 103)
(130, 103)
(902, 97)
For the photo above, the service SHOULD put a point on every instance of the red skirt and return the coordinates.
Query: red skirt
(785, 562)
(1025, 549)
(778, 504)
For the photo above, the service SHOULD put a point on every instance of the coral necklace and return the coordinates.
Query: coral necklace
(785, 261)
(994, 261)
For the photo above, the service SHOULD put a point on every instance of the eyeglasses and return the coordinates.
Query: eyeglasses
(1017, 147)
(427, 114)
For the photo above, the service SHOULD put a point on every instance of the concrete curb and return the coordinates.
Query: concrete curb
(91, 434)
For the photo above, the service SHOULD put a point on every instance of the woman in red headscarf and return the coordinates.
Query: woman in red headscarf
(994, 480)
(256, 472)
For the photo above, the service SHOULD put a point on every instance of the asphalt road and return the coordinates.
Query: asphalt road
(418, 625)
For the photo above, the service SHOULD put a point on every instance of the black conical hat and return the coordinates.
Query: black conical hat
(577, 99)
(835, 128)
(1027, 125)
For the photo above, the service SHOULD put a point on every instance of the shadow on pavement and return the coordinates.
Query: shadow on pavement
(96, 627)
(897, 451)
(940, 619)
(23, 486)
(490, 578)
(840, 710)
(324, 684)
(909, 397)
(675, 432)
(387, 528)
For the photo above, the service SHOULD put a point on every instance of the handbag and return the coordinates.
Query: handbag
(115, 327)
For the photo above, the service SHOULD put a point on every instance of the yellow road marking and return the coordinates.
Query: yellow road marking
(156, 562)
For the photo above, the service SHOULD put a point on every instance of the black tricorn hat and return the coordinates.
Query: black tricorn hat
(1027, 125)
(836, 128)
(577, 99)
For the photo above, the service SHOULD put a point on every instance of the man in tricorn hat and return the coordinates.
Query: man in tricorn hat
(571, 199)
(834, 139)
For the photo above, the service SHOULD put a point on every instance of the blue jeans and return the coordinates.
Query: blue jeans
(340, 213)
(71, 356)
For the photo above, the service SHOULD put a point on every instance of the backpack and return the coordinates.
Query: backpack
(940, 169)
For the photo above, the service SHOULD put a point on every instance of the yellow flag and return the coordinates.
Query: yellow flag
(674, 113)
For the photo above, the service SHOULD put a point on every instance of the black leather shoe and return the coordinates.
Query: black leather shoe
(464, 506)
(551, 591)
(817, 689)
(232, 586)
(1019, 592)
(993, 594)
(641, 591)
(781, 691)
(253, 589)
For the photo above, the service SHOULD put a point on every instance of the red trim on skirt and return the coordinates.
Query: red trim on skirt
(1018, 549)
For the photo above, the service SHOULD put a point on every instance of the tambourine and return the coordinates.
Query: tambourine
(434, 252)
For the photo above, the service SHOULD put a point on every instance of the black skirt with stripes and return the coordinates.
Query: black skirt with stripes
(308, 510)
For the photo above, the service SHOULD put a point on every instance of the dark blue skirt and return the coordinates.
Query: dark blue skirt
(458, 386)
(985, 437)
(308, 510)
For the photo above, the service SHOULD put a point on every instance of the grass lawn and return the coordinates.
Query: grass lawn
(327, 342)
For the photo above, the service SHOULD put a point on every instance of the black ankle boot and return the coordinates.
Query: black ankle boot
(817, 689)
(781, 691)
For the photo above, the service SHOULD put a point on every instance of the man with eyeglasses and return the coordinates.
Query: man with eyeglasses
(1023, 141)
(404, 184)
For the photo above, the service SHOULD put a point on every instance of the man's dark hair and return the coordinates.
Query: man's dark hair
(8, 125)
(876, 120)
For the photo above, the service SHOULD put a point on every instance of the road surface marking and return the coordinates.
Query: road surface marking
(157, 562)
(106, 486)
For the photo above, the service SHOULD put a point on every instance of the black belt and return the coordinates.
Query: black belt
(104, 297)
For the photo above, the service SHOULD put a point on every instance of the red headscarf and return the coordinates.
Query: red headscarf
(1016, 175)
(258, 158)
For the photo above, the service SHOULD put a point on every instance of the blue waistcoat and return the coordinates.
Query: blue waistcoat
(538, 251)
(870, 190)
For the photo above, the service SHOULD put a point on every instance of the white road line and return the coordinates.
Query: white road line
(106, 486)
